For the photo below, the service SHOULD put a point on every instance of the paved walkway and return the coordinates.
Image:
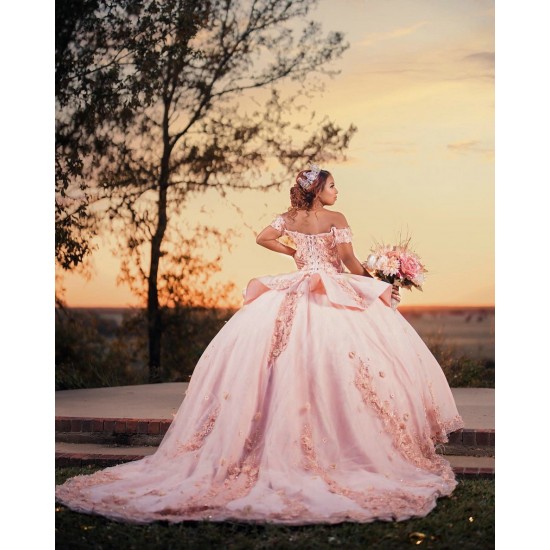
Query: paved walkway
(161, 401)
(87, 426)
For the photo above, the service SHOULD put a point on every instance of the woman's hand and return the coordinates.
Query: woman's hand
(395, 293)
(299, 262)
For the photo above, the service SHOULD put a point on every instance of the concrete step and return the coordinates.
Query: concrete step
(472, 466)
(85, 454)
(140, 416)
(162, 401)
(90, 454)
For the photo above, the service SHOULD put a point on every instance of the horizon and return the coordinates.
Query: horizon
(401, 308)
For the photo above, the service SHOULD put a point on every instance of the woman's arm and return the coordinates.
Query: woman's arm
(268, 239)
(345, 251)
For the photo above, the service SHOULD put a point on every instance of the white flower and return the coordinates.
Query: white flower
(381, 262)
(371, 262)
(388, 266)
(392, 267)
(419, 279)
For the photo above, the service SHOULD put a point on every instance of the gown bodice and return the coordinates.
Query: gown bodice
(318, 252)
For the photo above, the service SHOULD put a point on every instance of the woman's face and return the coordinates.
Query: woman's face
(329, 193)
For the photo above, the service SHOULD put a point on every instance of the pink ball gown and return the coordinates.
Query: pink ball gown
(315, 403)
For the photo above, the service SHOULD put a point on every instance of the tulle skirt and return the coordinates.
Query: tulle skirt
(315, 403)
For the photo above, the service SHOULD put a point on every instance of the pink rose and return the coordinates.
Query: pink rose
(410, 266)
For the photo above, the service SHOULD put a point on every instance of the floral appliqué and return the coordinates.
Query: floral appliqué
(283, 326)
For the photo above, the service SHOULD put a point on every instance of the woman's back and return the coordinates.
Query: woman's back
(315, 239)
(313, 222)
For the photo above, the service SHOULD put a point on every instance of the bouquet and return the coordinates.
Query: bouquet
(397, 265)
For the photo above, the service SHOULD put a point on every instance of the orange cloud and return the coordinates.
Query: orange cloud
(470, 146)
(396, 33)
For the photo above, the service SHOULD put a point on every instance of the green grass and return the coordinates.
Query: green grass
(465, 520)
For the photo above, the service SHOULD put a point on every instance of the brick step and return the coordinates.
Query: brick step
(90, 454)
(469, 442)
(149, 432)
(111, 431)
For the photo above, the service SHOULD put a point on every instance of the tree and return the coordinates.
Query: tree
(81, 102)
(184, 68)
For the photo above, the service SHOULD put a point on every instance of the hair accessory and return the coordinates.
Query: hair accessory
(310, 176)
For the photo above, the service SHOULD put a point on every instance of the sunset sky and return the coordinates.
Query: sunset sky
(418, 82)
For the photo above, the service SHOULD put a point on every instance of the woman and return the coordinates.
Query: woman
(315, 403)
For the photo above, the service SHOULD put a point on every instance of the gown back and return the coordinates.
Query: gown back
(315, 403)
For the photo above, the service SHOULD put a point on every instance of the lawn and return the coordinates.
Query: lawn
(462, 521)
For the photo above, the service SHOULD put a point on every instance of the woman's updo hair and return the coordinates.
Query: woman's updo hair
(300, 199)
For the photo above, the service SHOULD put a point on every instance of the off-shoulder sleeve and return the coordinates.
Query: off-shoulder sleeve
(278, 223)
(342, 234)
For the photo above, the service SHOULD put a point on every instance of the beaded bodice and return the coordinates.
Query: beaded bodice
(318, 252)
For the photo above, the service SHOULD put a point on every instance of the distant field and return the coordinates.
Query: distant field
(466, 330)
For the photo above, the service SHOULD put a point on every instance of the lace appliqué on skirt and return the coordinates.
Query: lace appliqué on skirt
(283, 326)
(387, 504)
(441, 428)
(197, 440)
(418, 449)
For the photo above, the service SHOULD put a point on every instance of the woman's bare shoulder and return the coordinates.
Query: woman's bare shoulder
(338, 219)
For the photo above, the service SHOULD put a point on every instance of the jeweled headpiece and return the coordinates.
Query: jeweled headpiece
(306, 181)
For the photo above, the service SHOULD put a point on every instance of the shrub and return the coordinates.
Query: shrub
(87, 357)
(461, 371)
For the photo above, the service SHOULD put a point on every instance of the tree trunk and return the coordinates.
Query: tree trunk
(154, 314)
(154, 322)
